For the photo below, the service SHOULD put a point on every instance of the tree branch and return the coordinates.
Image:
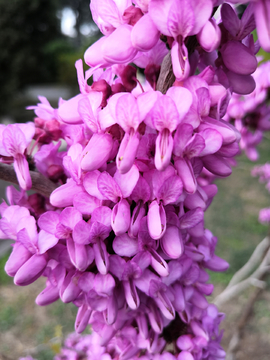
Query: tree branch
(166, 76)
(40, 183)
(255, 258)
(254, 279)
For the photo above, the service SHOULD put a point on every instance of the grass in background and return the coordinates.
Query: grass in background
(233, 215)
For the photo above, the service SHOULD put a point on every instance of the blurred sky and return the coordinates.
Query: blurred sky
(68, 21)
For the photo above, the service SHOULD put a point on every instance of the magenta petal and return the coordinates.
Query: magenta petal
(228, 132)
(217, 165)
(119, 52)
(47, 296)
(127, 181)
(91, 185)
(195, 146)
(86, 112)
(159, 11)
(102, 215)
(170, 190)
(238, 58)
(70, 289)
(120, 219)
(96, 152)
(248, 21)
(229, 150)
(69, 217)
(172, 243)
(48, 221)
(31, 270)
(216, 264)
(117, 266)
(144, 34)
(21, 168)
(162, 300)
(155, 319)
(164, 147)
(17, 258)
(241, 84)
(209, 36)
(159, 264)
(81, 233)
(182, 136)
(179, 299)
(82, 318)
(81, 256)
(46, 241)
(131, 294)
(98, 231)
(156, 220)
(127, 152)
(124, 245)
(184, 342)
(213, 141)
(194, 201)
(262, 15)
(165, 114)
(101, 257)
(199, 300)
(180, 22)
(186, 174)
(138, 213)
(64, 195)
(104, 284)
(127, 112)
(141, 191)
(176, 93)
(68, 111)
(202, 12)
(108, 187)
(230, 20)
(191, 218)
(203, 101)
(14, 140)
(145, 103)
(110, 314)
(180, 62)
(94, 57)
(185, 355)
(85, 203)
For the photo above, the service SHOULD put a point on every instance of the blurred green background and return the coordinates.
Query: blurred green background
(40, 42)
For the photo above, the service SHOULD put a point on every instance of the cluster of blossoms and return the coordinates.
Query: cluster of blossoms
(263, 171)
(122, 236)
(250, 114)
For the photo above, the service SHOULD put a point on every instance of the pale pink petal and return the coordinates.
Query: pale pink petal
(108, 187)
(170, 190)
(172, 243)
(144, 34)
(85, 203)
(68, 111)
(46, 241)
(127, 181)
(182, 98)
(81, 233)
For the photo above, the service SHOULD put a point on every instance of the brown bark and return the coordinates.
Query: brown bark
(40, 183)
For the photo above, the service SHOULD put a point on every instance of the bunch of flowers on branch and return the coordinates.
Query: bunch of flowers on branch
(122, 233)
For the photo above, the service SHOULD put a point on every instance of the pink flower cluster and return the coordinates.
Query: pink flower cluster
(122, 236)
(250, 114)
